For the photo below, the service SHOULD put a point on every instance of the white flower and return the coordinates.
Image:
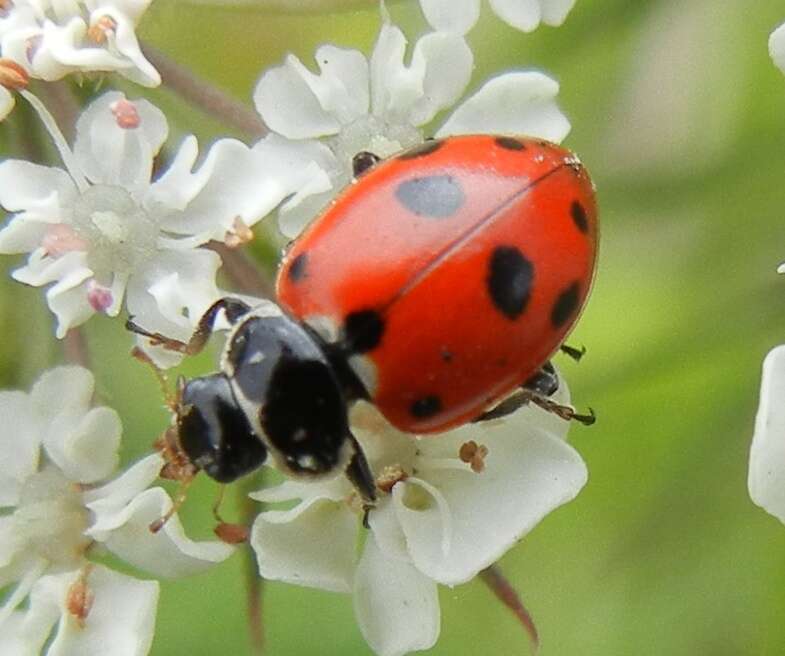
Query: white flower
(460, 15)
(104, 231)
(767, 455)
(56, 454)
(52, 38)
(777, 47)
(381, 105)
(443, 521)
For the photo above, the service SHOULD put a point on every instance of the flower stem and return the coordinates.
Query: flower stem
(244, 274)
(58, 139)
(60, 98)
(204, 95)
(502, 588)
(75, 348)
(254, 583)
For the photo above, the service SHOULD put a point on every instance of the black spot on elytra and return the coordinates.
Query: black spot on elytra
(363, 330)
(297, 269)
(363, 161)
(446, 355)
(426, 407)
(435, 196)
(426, 148)
(510, 143)
(565, 305)
(578, 213)
(510, 277)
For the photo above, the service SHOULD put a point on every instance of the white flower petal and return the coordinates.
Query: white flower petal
(173, 291)
(445, 63)
(25, 633)
(113, 155)
(70, 306)
(121, 619)
(125, 41)
(395, 88)
(295, 215)
(439, 72)
(387, 531)
(176, 186)
(767, 455)
(458, 16)
(237, 182)
(119, 492)
(554, 12)
(9, 544)
(397, 607)
(289, 106)
(20, 440)
(83, 442)
(312, 544)
(63, 389)
(39, 191)
(336, 489)
(522, 14)
(342, 86)
(7, 102)
(41, 269)
(61, 52)
(528, 473)
(168, 553)
(89, 452)
(21, 235)
(513, 103)
(777, 47)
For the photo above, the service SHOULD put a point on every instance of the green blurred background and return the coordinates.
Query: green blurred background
(679, 113)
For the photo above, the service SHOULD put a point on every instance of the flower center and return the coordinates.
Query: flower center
(120, 234)
(372, 134)
(50, 519)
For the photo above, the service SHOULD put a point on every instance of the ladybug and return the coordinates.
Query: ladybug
(438, 283)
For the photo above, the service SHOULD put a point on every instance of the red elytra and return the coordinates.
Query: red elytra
(457, 268)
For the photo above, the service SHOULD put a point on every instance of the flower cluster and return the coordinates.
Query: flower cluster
(766, 480)
(103, 230)
(49, 40)
(381, 105)
(114, 228)
(452, 506)
(60, 507)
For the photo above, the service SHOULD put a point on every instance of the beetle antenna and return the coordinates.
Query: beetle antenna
(179, 499)
(172, 402)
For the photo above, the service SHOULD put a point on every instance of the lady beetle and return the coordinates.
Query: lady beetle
(439, 282)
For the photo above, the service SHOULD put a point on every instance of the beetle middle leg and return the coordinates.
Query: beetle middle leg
(232, 307)
(538, 390)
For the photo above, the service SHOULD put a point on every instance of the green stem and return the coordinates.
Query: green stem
(204, 95)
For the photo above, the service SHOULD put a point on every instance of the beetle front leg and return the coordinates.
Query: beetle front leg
(232, 307)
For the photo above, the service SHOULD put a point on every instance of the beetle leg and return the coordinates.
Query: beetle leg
(575, 353)
(537, 390)
(232, 307)
(359, 473)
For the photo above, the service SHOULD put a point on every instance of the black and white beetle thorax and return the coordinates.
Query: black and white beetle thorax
(289, 391)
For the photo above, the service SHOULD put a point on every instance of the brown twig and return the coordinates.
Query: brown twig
(75, 348)
(60, 100)
(204, 95)
(246, 276)
(502, 588)
(254, 583)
